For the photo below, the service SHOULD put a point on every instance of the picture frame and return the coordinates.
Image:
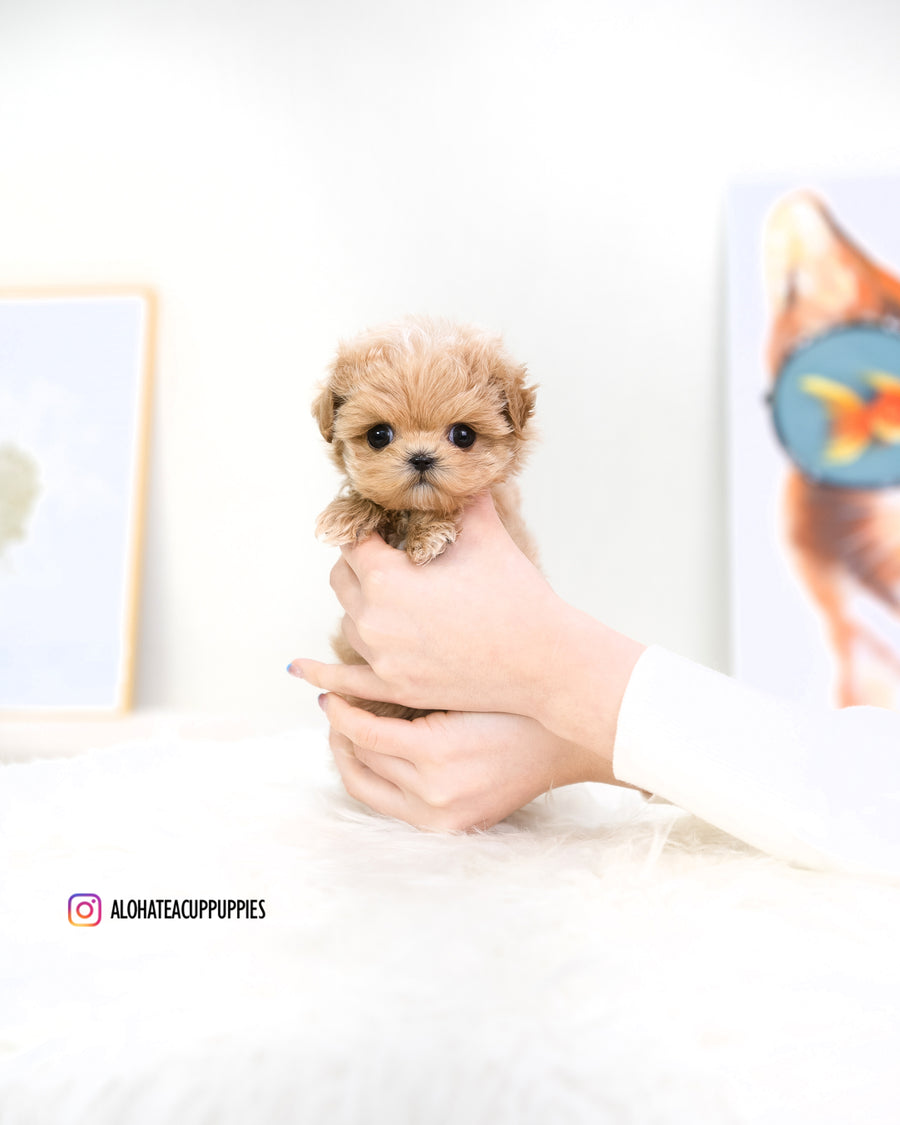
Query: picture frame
(76, 370)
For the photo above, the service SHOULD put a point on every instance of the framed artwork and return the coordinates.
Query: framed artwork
(814, 339)
(75, 374)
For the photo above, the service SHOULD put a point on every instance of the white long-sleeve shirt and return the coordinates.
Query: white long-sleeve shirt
(821, 789)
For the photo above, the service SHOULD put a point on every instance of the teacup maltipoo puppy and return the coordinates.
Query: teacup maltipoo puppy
(420, 416)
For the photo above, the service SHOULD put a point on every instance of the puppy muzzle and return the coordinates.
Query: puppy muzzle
(422, 462)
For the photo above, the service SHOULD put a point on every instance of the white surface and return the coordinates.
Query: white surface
(284, 173)
(593, 960)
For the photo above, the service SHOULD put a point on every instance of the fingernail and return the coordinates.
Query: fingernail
(321, 701)
(295, 671)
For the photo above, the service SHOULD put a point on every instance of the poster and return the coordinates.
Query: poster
(814, 342)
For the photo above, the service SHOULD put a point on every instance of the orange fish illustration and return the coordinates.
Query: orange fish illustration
(856, 422)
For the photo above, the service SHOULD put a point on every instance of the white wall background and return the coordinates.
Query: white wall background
(284, 172)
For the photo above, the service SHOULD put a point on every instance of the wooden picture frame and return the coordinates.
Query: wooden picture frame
(75, 390)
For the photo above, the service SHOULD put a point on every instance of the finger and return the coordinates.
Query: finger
(372, 553)
(363, 784)
(397, 770)
(374, 734)
(345, 679)
(480, 518)
(482, 506)
(346, 587)
(384, 797)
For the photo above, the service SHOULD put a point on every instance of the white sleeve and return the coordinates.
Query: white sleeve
(819, 788)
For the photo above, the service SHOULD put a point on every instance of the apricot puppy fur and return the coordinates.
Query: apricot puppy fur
(421, 415)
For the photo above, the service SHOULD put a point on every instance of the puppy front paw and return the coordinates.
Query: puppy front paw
(427, 542)
(347, 520)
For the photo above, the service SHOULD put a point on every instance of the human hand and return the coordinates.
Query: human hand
(452, 770)
(468, 632)
(478, 629)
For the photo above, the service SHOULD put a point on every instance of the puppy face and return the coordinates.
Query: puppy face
(423, 414)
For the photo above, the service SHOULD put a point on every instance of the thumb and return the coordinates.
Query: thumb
(480, 524)
(481, 516)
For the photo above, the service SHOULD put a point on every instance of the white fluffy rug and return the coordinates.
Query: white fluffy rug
(596, 959)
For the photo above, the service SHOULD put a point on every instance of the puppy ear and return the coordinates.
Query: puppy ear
(520, 398)
(324, 409)
(342, 376)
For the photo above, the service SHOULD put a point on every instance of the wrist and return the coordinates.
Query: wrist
(582, 687)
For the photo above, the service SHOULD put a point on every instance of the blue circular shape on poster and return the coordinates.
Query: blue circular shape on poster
(845, 357)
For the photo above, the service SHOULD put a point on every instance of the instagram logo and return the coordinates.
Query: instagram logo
(84, 910)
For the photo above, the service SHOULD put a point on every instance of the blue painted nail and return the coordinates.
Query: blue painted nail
(294, 671)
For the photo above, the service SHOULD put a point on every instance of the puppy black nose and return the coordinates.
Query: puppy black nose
(422, 461)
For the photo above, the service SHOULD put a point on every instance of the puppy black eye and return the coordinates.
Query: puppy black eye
(462, 436)
(379, 436)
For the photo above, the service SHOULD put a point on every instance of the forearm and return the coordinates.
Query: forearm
(816, 787)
